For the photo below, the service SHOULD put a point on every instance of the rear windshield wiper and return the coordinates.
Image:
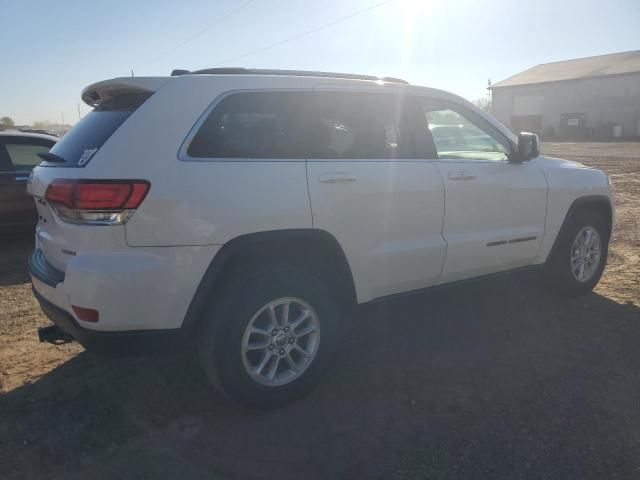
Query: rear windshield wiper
(51, 157)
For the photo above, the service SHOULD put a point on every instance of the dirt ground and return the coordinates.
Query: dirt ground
(494, 380)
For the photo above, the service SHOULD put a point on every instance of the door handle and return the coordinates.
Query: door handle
(21, 178)
(337, 178)
(461, 175)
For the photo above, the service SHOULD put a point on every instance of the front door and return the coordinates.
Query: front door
(494, 210)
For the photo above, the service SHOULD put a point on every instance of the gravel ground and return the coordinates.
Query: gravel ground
(494, 380)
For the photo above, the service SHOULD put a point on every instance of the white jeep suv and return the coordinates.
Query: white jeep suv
(250, 210)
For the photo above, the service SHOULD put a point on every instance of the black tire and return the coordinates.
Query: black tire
(229, 313)
(557, 271)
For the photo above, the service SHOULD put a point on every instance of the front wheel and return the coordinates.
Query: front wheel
(578, 261)
(268, 339)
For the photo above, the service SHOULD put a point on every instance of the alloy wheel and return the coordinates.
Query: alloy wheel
(281, 341)
(585, 254)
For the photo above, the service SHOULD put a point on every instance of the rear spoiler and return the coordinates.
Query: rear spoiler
(97, 93)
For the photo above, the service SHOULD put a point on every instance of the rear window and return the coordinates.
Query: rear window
(81, 143)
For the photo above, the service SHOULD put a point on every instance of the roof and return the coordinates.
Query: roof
(580, 68)
(100, 92)
(17, 133)
(295, 73)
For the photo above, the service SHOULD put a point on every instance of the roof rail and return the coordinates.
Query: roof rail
(297, 73)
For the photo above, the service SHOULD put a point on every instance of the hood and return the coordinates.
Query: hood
(558, 163)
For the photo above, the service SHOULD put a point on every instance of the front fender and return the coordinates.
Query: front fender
(571, 185)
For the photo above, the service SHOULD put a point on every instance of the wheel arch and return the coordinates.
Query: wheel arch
(313, 249)
(599, 203)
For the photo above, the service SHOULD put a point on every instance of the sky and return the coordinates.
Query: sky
(51, 50)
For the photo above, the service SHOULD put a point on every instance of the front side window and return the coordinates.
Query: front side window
(459, 134)
(253, 125)
(358, 126)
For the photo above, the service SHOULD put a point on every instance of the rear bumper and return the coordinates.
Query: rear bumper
(134, 289)
(127, 341)
(48, 287)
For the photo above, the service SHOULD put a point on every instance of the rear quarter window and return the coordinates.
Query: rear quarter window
(81, 143)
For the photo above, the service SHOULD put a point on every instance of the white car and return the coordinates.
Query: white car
(251, 210)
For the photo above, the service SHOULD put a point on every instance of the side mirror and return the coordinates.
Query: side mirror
(528, 148)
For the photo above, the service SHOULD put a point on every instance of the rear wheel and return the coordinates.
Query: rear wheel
(269, 337)
(581, 254)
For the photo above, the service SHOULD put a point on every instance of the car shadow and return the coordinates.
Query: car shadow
(488, 380)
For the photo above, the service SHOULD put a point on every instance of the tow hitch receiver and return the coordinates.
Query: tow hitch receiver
(52, 334)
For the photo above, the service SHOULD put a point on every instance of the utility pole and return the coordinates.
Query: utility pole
(132, 73)
(79, 116)
(62, 116)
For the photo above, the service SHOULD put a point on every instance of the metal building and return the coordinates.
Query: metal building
(594, 97)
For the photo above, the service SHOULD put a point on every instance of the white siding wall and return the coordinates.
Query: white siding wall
(614, 99)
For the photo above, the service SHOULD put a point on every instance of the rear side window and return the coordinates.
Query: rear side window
(358, 126)
(253, 125)
(89, 134)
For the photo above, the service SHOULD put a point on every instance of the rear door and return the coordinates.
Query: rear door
(18, 156)
(383, 205)
(495, 210)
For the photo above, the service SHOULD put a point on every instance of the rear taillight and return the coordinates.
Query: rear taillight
(96, 202)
